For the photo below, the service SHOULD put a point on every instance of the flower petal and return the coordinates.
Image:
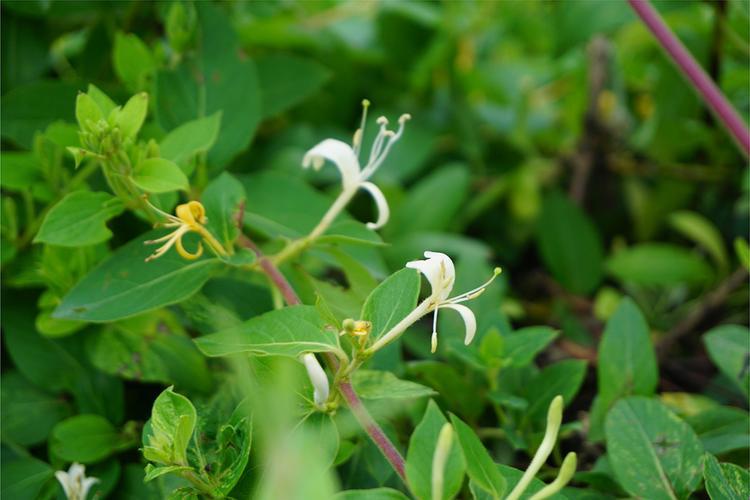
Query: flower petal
(380, 201)
(62, 476)
(470, 321)
(318, 378)
(340, 154)
(439, 270)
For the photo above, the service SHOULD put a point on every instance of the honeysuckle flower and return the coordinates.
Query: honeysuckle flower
(318, 378)
(440, 272)
(353, 175)
(191, 216)
(74, 482)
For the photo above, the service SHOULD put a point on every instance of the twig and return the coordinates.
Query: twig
(700, 81)
(345, 387)
(712, 301)
(594, 130)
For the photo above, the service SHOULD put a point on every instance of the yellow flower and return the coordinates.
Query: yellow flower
(191, 216)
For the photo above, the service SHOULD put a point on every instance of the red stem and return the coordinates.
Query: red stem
(345, 387)
(702, 83)
(373, 429)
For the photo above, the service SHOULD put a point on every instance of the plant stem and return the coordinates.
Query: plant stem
(373, 429)
(710, 302)
(345, 387)
(702, 83)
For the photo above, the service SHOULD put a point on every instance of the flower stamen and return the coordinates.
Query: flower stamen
(191, 217)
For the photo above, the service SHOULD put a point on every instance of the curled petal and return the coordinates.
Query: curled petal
(340, 154)
(380, 201)
(184, 253)
(470, 321)
(318, 378)
(62, 477)
(439, 270)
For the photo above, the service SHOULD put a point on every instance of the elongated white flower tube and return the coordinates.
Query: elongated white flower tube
(318, 378)
(354, 175)
(554, 420)
(440, 272)
(564, 475)
(74, 482)
(440, 460)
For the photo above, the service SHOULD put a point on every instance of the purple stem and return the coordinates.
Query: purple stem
(693, 71)
(373, 429)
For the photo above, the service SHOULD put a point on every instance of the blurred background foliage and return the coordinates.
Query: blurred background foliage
(553, 138)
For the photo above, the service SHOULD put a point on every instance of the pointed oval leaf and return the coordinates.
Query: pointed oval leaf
(285, 332)
(158, 175)
(79, 219)
(654, 454)
(479, 465)
(124, 285)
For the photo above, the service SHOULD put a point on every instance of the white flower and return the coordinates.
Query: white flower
(317, 377)
(353, 176)
(74, 482)
(439, 270)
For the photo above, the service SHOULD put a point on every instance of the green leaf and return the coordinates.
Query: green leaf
(421, 451)
(157, 175)
(742, 250)
(222, 199)
(87, 439)
(79, 219)
(151, 347)
(88, 112)
(20, 170)
(286, 332)
(216, 79)
(729, 349)
(28, 413)
(29, 108)
(154, 472)
(654, 454)
(725, 481)
(23, 478)
(658, 264)
(419, 212)
(132, 61)
(722, 429)
(131, 117)
(521, 347)
(102, 100)
(702, 231)
(371, 494)
(173, 419)
(627, 361)
(375, 384)
(577, 263)
(54, 365)
(479, 465)
(562, 378)
(191, 138)
(286, 80)
(125, 285)
(391, 301)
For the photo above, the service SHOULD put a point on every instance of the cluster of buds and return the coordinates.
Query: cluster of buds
(104, 128)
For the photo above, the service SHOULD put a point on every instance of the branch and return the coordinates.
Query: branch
(345, 387)
(712, 301)
(698, 78)
(594, 129)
